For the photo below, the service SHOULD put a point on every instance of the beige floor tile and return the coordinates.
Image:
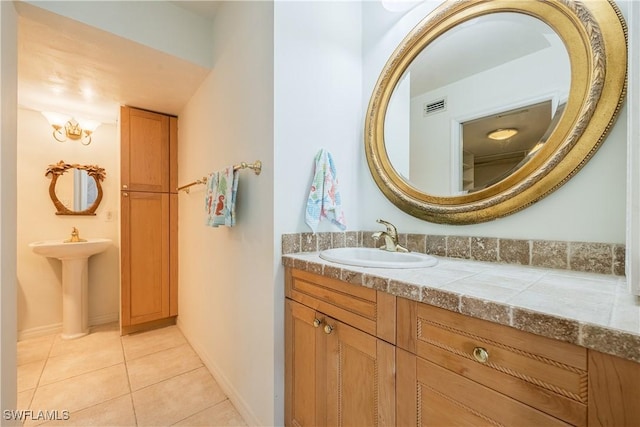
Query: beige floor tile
(82, 391)
(29, 375)
(143, 343)
(89, 343)
(89, 378)
(77, 362)
(34, 349)
(175, 399)
(24, 398)
(222, 414)
(116, 412)
(159, 366)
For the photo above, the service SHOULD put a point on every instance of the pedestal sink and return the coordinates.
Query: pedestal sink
(75, 275)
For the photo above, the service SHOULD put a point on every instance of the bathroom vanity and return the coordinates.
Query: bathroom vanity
(369, 346)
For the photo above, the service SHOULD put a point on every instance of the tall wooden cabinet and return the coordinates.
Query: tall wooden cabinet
(149, 213)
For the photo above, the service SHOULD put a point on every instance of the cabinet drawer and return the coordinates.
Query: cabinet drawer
(546, 374)
(355, 305)
(447, 399)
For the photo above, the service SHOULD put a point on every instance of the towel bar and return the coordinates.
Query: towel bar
(255, 166)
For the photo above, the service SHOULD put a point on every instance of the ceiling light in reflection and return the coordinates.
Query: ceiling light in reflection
(502, 134)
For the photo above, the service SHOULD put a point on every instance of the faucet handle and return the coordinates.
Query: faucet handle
(391, 229)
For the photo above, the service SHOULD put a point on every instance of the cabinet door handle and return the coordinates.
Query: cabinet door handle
(125, 194)
(328, 329)
(316, 322)
(481, 354)
(124, 186)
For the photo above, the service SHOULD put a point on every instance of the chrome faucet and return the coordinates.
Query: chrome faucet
(390, 237)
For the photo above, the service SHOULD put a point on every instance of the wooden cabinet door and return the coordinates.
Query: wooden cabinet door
(430, 395)
(304, 366)
(145, 257)
(336, 376)
(360, 385)
(145, 150)
(614, 391)
(173, 254)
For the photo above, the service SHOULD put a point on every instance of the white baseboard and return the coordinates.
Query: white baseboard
(104, 318)
(56, 328)
(40, 331)
(226, 386)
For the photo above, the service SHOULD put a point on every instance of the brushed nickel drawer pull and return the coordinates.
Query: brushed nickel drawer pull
(480, 354)
(125, 194)
(316, 322)
(328, 329)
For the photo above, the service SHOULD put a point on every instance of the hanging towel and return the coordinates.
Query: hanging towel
(324, 198)
(220, 198)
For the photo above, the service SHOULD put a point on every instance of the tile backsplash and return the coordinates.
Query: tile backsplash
(604, 258)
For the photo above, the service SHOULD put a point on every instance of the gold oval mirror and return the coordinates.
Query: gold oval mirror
(486, 107)
(77, 193)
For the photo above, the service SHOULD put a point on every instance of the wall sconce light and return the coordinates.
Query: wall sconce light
(67, 127)
(502, 134)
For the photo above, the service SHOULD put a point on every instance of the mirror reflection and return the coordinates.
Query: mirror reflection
(477, 103)
(75, 189)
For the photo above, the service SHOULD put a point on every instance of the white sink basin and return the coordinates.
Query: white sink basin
(371, 257)
(59, 249)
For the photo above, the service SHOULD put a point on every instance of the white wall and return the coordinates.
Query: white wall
(40, 278)
(633, 154)
(8, 195)
(226, 275)
(317, 93)
(590, 207)
(300, 94)
(317, 104)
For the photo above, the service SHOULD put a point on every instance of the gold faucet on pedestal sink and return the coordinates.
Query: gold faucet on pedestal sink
(75, 236)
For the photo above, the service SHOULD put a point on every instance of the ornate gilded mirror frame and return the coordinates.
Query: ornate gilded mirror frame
(595, 36)
(56, 170)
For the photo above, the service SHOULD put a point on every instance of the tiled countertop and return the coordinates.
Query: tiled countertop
(591, 310)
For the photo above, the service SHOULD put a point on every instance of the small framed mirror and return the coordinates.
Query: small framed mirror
(78, 192)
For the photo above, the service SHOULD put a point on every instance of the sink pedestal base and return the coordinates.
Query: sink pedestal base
(75, 297)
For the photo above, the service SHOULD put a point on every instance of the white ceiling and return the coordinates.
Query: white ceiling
(477, 45)
(69, 67)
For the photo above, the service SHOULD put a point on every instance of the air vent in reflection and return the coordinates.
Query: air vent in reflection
(434, 107)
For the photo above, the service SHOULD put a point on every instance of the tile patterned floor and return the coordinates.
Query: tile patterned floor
(147, 379)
